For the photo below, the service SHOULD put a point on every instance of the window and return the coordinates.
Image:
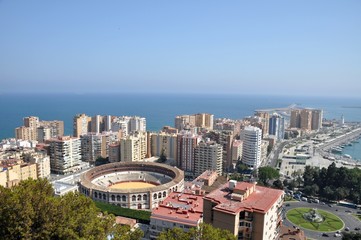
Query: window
(118, 198)
(159, 195)
(134, 198)
(139, 197)
(145, 197)
(124, 198)
(113, 198)
(104, 197)
(154, 196)
(96, 195)
(164, 194)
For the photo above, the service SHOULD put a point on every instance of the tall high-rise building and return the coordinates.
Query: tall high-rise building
(65, 154)
(81, 125)
(208, 156)
(92, 147)
(252, 139)
(43, 133)
(32, 123)
(237, 147)
(277, 126)
(133, 147)
(295, 118)
(137, 124)
(25, 133)
(164, 143)
(56, 127)
(184, 122)
(114, 152)
(107, 122)
(306, 119)
(204, 120)
(317, 116)
(265, 122)
(186, 143)
(96, 125)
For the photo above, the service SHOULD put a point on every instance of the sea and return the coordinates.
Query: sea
(159, 108)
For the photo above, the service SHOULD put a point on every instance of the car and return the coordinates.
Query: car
(348, 211)
(287, 204)
(347, 229)
(329, 205)
(357, 228)
(337, 235)
(324, 235)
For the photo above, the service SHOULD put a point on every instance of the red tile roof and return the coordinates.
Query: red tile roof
(180, 208)
(261, 200)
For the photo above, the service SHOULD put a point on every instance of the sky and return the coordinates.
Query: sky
(240, 47)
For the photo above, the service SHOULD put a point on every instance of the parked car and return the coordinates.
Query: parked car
(347, 229)
(357, 228)
(324, 235)
(337, 235)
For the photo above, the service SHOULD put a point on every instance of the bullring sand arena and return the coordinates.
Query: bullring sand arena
(131, 185)
(135, 185)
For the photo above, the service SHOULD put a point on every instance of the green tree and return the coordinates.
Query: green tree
(351, 236)
(278, 184)
(203, 232)
(267, 173)
(30, 211)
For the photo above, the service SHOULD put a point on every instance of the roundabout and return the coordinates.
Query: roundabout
(314, 219)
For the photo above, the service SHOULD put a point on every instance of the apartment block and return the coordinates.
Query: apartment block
(208, 156)
(245, 209)
(14, 171)
(252, 140)
(65, 154)
(180, 210)
(186, 143)
(133, 147)
(81, 124)
(164, 143)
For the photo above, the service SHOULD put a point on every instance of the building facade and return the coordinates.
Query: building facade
(252, 139)
(208, 156)
(245, 209)
(164, 143)
(65, 154)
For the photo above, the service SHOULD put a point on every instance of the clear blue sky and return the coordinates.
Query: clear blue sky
(268, 47)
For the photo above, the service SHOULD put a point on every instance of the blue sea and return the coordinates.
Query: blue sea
(158, 108)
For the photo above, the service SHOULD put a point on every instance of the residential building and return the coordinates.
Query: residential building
(43, 134)
(164, 143)
(252, 139)
(295, 118)
(264, 150)
(264, 118)
(56, 127)
(92, 147)
(186, 143)
(180, 210)
(133, 147)
(184, 122)
(169, 129)
(81, 125)
(317, 116)
(14, 171)
(237, 146)
(25, 133)
(245, 209)
(114, 152)
(65, 154)
(42, 161)
(208, 156)
(277, 126)
(306, 119)
(96, 124)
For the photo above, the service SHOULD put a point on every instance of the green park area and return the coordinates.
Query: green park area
(329, 223)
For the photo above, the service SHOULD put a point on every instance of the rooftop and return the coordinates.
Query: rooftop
(256, 198)
(180, 208)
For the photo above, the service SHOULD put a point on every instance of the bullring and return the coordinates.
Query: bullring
(135, 185)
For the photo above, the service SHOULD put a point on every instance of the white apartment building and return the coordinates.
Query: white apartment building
(252, 140)
(65, 154)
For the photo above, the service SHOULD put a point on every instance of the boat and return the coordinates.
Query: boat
(350, 144)
(347, 156)
(336, 150)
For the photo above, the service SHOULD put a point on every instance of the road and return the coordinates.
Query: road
(349, 220)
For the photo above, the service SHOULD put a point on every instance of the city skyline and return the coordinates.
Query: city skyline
(279, 48)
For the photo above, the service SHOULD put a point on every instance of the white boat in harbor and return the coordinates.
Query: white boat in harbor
(347, 156)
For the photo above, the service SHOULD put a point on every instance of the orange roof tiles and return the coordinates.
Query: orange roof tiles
(260, 200)
(180, 208)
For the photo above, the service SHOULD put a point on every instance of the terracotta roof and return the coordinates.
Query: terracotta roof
(180, 208)
(125, 221)
(261, 200)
